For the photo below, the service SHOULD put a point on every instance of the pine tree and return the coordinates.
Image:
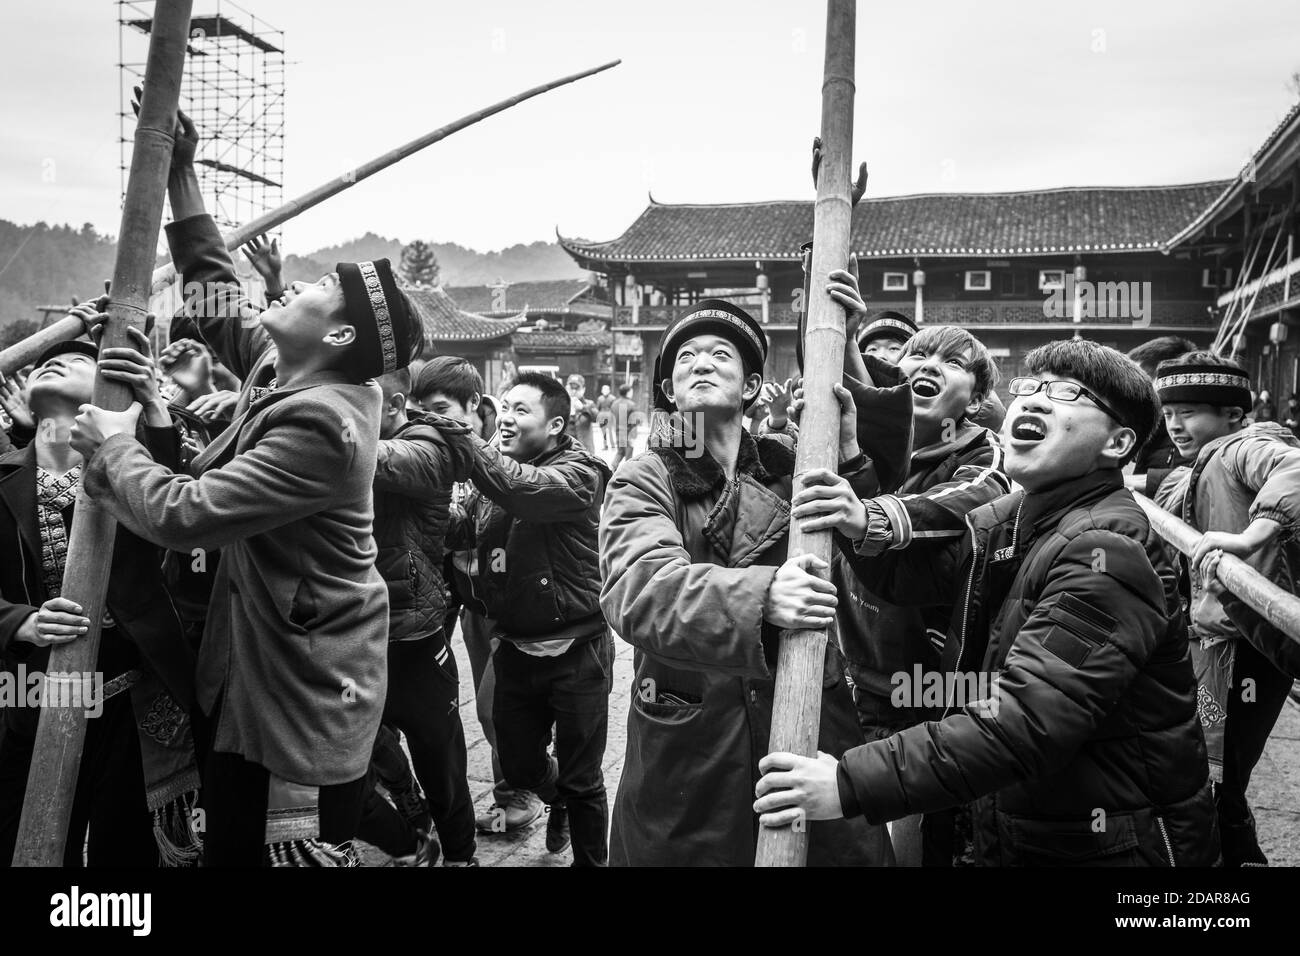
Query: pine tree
(419, 265)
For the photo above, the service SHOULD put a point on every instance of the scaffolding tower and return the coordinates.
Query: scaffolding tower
(233, 89)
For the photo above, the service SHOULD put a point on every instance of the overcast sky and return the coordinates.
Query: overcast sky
(714, 102)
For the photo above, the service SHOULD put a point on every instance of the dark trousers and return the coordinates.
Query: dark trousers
(571, 692)
(235, 800)
(1249, 723)
(110, 818)
(381, 824)
(423, 703)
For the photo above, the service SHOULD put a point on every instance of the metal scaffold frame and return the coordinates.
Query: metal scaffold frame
(233, 89)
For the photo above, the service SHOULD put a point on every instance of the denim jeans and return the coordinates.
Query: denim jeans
(571, 692)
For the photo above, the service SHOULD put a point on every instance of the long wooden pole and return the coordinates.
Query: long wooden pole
(21, 353)
(796, 713)
(52, 780)
(1277, 606)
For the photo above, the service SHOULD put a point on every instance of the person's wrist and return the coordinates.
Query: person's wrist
(27, 630)
(855, 528)
(1262, 530)
(850, 451)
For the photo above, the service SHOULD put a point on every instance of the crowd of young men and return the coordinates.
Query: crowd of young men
(1023, 671)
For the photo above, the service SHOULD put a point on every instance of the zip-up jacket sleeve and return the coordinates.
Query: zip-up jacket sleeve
(884, 424)
(1271, 469)
(430, 461)
(940, 511)
(1068, 667)
(563, 491)
(689, 616)
(226, 319)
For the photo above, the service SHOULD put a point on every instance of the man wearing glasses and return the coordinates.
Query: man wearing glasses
(1070, 714)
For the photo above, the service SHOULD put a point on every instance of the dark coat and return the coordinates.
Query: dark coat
(880, 639)
(687, 559)
(532, 529)
(1094, 753)
(414, 472)
(145, 622)
(296, 640)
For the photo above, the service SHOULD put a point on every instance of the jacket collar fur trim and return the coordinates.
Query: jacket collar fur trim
(762, 459)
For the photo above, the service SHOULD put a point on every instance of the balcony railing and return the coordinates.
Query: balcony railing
(1034, 312)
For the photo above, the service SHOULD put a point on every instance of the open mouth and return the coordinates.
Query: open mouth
(508, 434)
(1027, 428)
(925, 387)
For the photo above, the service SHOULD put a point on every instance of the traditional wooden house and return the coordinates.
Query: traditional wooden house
(1018, 269)
(453, 331)
(563, 324)
(1243, 245)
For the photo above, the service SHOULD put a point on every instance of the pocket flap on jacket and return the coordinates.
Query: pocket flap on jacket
(1084, 619)
(1069, 841)
(1066, 645)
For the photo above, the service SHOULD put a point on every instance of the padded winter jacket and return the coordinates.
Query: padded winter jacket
(1086, 749)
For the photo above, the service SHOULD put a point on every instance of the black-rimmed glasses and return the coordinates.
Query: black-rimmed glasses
(1060, 391)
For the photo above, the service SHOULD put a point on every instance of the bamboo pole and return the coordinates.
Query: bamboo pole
(796, 710)
(20, 354)
(52, 780)
(1277, 606)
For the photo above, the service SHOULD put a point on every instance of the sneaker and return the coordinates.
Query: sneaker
(472, 861)
(557, 828)
(412, 805)
(521, 810)
(426, 852)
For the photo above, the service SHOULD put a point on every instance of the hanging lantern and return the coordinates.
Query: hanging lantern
(918, 278)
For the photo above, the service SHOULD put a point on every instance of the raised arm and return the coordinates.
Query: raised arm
(1069, 665)
(547, 493)
(419, 466)
(293, 471)
(213, 297)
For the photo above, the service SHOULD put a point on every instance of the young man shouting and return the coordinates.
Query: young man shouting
(695, 577)
(292, 667)
(956, 466)
(1086, 749)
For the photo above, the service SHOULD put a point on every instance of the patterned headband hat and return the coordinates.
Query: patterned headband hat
(1219, 385)
(719, 317)
(378, 312)
(893, 325)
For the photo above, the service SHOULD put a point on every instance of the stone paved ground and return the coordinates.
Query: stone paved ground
(1274, 792)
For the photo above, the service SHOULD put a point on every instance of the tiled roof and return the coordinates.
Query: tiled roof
(1048, 221)
(556, 295)
(445, 321)
(558, 340)
(1289, 126)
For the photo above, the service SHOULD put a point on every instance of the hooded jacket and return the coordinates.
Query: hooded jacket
(1086, 748)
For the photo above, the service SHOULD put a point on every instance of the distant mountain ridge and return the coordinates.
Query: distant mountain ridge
(42, 264)
(534, 261)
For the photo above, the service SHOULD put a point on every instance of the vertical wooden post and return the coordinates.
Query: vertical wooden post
(52, 780)
(796, 713)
